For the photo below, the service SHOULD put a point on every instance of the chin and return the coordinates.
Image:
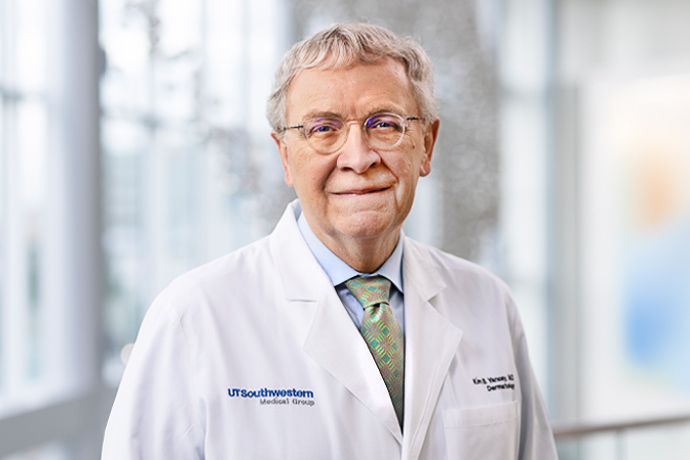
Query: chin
(369, 225)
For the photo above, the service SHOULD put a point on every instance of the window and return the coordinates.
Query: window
(49, 243)
(190, 171)
(23, 128)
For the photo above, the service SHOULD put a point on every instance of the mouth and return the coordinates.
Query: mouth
(363, 191)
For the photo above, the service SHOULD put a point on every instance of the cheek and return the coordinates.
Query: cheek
(406, 170)
(413, 163)
(408, 166)
(309, 171)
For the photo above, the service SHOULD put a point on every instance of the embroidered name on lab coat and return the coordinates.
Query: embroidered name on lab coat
(268, 396)
(501, 382)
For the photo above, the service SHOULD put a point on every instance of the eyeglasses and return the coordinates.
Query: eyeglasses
(327, 134)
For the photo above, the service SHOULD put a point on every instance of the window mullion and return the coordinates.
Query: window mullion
(15, 270)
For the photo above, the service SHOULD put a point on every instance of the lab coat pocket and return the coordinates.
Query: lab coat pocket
(483, 433)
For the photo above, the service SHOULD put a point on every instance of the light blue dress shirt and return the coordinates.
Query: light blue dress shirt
(339, 272)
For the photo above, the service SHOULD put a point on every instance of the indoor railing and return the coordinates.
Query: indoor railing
(662, 438)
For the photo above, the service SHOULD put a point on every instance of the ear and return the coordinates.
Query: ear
(282, 150)
(430, 136)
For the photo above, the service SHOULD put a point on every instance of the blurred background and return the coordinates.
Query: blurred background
(133, 147)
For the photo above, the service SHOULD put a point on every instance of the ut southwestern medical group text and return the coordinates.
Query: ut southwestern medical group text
(269, 396)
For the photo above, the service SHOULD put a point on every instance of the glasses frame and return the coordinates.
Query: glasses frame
(302, 127)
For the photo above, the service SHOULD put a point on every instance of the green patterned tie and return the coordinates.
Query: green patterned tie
(382, 334)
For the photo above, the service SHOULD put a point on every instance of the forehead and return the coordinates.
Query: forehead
(353, 91)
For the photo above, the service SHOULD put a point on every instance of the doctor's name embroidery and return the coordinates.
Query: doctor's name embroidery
(268, 396)
(502, 382)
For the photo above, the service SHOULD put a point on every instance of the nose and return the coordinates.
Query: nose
(356, 154)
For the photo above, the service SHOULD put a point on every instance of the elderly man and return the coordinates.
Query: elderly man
(336, 337)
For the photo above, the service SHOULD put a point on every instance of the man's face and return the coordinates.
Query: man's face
(357, 191)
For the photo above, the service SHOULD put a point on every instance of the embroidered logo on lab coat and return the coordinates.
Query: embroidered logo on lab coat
(270, 396)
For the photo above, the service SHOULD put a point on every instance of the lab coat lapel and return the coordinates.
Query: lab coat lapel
(321, 325)
(431, 342)
(335, 343)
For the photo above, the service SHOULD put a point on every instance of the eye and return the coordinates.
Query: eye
(323, 127)
(385, 122)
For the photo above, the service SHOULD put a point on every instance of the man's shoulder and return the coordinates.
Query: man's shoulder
(222, 272)
(466, 291)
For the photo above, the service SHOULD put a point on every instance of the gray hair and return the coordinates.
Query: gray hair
(343, 45)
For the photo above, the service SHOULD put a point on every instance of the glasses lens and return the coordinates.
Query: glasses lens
(324, 134)
(385, 129)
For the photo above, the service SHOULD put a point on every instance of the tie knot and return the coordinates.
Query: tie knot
(369, 290)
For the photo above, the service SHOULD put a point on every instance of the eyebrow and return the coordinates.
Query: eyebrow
(321, 114)
(326, 114)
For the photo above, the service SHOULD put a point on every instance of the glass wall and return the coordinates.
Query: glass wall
(189, 167)
(622, 77)
(23, 191)
(50, 230)
(624, 88)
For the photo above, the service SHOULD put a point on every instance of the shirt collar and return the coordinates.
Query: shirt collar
(338, 271)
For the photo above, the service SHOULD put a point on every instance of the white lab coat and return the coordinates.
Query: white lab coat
(253, 356)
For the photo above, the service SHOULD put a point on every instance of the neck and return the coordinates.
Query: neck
(366, 255)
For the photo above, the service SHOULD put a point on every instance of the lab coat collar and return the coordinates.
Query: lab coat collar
(299, 270)
(326, 333)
